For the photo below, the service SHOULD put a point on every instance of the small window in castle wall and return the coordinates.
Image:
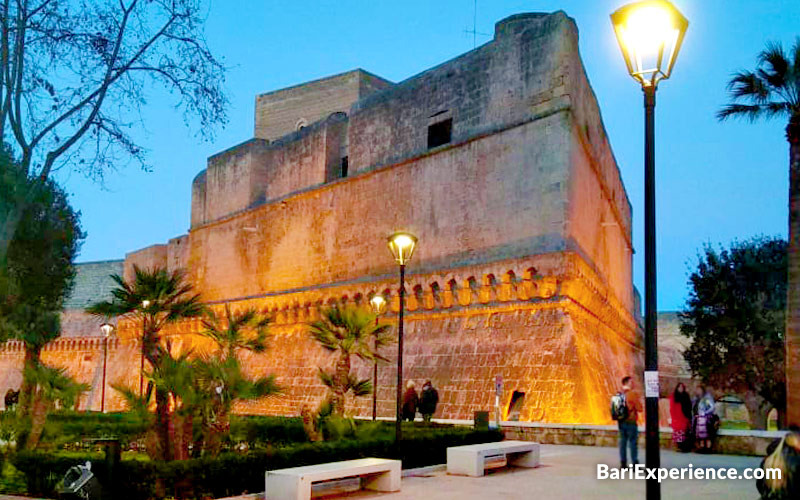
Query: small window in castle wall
(344, 167)
(439, 133)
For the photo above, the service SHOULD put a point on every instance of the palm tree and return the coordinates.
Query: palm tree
(169, 299)
(220, 375)
(773, 91)
(232, 334)
(348, 331)
(50, 386)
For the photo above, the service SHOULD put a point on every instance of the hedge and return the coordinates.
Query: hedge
(234, 474)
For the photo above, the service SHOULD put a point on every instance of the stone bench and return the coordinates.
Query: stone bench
(295, 483)
(474, 459)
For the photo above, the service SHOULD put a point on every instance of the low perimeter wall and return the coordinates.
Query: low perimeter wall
(731, 442)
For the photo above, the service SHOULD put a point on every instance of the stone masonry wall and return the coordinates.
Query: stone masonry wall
(540, 323)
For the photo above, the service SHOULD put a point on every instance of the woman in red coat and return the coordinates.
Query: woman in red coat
(680, 409)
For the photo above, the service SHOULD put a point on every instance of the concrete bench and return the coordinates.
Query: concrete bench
(295, 483)
(474, 459)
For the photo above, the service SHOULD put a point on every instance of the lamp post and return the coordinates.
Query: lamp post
(378, 304)
(650, 34)
(145, 305)
(106, 328)
(402, 246)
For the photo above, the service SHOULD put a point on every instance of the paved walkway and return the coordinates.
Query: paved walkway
(569, 472)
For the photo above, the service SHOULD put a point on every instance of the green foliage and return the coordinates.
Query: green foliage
(73, 429)
(735, 317)
(352, 330)
(771, 91)
(233, 333)
(348, 331)
(53, 385)
(170, 298)
(263, 431)
(233, 474)
(37, 272)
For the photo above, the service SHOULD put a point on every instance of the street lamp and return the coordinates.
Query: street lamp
(378, 304)
(650, 34)
(106, 328)
(145, 305)
(402, 246)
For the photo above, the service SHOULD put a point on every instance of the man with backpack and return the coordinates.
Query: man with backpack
(625, 409)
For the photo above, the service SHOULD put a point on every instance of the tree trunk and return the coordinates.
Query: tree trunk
(792, 338)
(340, 378)
(38, 419)
(162, 424)
(26, 393)
(757, 409)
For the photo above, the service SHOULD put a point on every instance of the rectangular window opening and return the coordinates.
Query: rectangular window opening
(344, 167)
(440, 133)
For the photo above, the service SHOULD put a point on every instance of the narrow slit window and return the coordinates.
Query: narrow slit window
(344, 166)
(440, 133)
(515, 406)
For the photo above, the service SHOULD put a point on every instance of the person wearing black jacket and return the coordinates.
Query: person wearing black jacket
(428, 401)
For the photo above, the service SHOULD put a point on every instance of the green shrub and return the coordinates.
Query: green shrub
(65, 428)
(260, 431)
(233, 474)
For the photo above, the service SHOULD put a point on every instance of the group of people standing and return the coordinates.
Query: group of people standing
(424, 403)
(694, 419)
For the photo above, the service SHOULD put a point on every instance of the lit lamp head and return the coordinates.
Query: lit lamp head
(107, 328)
(402, 246)
(650, 34)
(378, 304)
(145, 304)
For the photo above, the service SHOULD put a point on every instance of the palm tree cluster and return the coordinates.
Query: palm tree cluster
(189, 387)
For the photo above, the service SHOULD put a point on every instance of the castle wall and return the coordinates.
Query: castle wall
(543, 323)
(82, 358)
(497, 197)
(281, 112)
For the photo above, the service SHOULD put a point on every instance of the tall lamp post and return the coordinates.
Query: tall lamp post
(145, 305)
(106, 328)
(378, 304)
(650, 34)
(402, 246)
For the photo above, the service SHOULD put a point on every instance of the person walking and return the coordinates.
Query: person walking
(625, 409)
(703, 419)
(680, 410)
(410, 402)
(428, 400)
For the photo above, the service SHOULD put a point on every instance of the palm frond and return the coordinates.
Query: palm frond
(746, 85)
(359, 387)
(751, 112)
(241, 330)
(326, 378)
(774, 65)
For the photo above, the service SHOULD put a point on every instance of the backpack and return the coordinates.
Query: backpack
(619, 407)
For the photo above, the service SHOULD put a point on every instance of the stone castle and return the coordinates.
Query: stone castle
(496, 160)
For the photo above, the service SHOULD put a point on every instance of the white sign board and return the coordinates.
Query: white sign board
(651, 384)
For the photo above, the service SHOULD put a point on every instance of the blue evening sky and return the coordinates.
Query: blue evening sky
(716, 181)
